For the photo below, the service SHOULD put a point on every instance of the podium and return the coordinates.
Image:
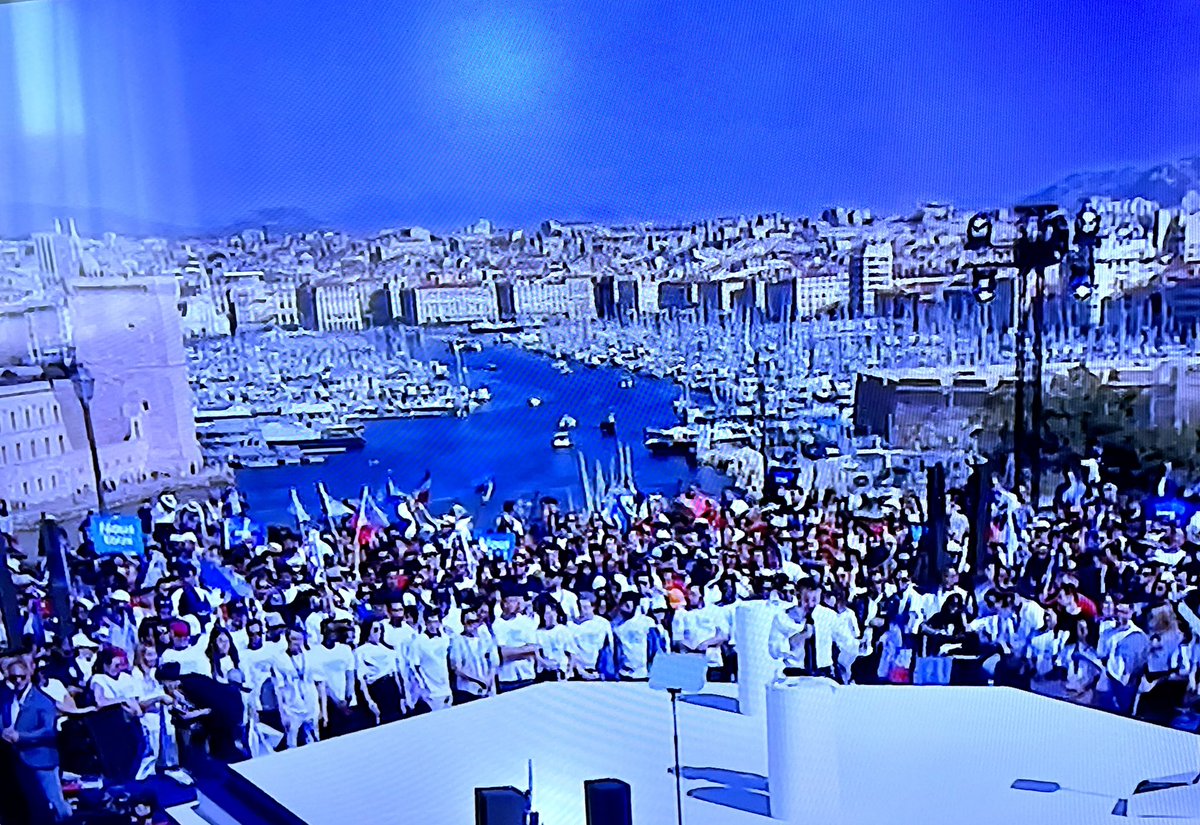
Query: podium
(803, 764)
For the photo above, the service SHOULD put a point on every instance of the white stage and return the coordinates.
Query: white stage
(914, 754)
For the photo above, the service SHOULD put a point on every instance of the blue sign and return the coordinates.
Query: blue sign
(117, 535)
(500, 545)
(784, 478)
(1168, 509)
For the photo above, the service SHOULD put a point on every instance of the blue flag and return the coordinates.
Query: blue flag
(241, 530)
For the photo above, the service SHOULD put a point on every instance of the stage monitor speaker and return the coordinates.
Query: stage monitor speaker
(500, 806)
(608, 802)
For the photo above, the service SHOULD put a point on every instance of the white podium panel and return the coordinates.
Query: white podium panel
(756, 668)
(803, 765)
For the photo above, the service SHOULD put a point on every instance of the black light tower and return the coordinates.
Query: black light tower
(1043, 241)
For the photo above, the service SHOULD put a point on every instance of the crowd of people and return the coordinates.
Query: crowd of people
(227, 644)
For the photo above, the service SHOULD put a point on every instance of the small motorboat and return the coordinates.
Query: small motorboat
(626, 382)
(609, 425)
(490, 366)
(671, 441)
(562, 440)
(567, 423)
(535, 401)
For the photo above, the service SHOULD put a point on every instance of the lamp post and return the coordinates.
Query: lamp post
(85, 390)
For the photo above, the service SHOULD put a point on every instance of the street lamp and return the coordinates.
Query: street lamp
(85, 390)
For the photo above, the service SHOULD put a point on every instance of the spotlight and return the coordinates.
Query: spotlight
(1087, 225)
(1055, 236)
(983, 284)
(1080, 281)
(979, 231)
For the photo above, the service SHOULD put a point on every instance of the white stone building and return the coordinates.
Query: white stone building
(453, 303)
(567, 298)
(877, 270)
(334, 306)
(1191, 238)
(816, 291)
(1124, 262)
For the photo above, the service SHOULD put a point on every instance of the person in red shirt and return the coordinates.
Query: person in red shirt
(1073, 605)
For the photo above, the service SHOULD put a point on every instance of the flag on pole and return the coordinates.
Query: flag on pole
(369, 520)
(588, 501)
(406, 521)
(614, 513)
(421, 494)
(333, 508)
(393, 496)
(297, 510)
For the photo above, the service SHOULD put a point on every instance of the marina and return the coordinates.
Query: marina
(506, 442)
(285, 398)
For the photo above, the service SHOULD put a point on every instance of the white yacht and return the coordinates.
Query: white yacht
(562, 440)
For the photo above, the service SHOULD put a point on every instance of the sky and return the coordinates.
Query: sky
(374, 113)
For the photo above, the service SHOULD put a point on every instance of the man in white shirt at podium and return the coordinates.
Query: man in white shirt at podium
(803, 637)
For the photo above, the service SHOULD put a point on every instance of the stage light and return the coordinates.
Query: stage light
(1087, 225)
(979, 231)
(1080, 282)
(983, 285)
(1055, 237)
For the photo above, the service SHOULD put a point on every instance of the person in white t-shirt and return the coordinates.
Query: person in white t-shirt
(191, 658)
(590, 634)
(474, 660)
(431, 663)
(334, 663)
(112, 685)
(516, 636)
(634, 632)
(565, 598)
(375, 665)
(257, 660)
(554, 640)
(703, 628)
(162, 749)
(296, 690)
(398, 634)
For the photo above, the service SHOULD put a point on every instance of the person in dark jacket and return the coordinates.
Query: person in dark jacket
(27, 728)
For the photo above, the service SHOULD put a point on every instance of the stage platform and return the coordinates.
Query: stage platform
(924, 755)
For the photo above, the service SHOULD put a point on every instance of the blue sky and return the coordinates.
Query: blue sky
(377, 112)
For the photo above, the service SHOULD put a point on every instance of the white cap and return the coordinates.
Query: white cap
(738, 507)
(80, 640)
(119, 596)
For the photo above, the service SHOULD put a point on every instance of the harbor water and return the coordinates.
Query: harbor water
(506, 440)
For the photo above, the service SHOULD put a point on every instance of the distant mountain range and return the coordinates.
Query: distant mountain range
(1165, 183)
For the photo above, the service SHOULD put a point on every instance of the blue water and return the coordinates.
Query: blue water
(506, 440)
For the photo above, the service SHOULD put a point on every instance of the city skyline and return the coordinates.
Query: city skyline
(202, 116)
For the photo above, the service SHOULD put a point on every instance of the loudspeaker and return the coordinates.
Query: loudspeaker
(500, 806)
(608, 802)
